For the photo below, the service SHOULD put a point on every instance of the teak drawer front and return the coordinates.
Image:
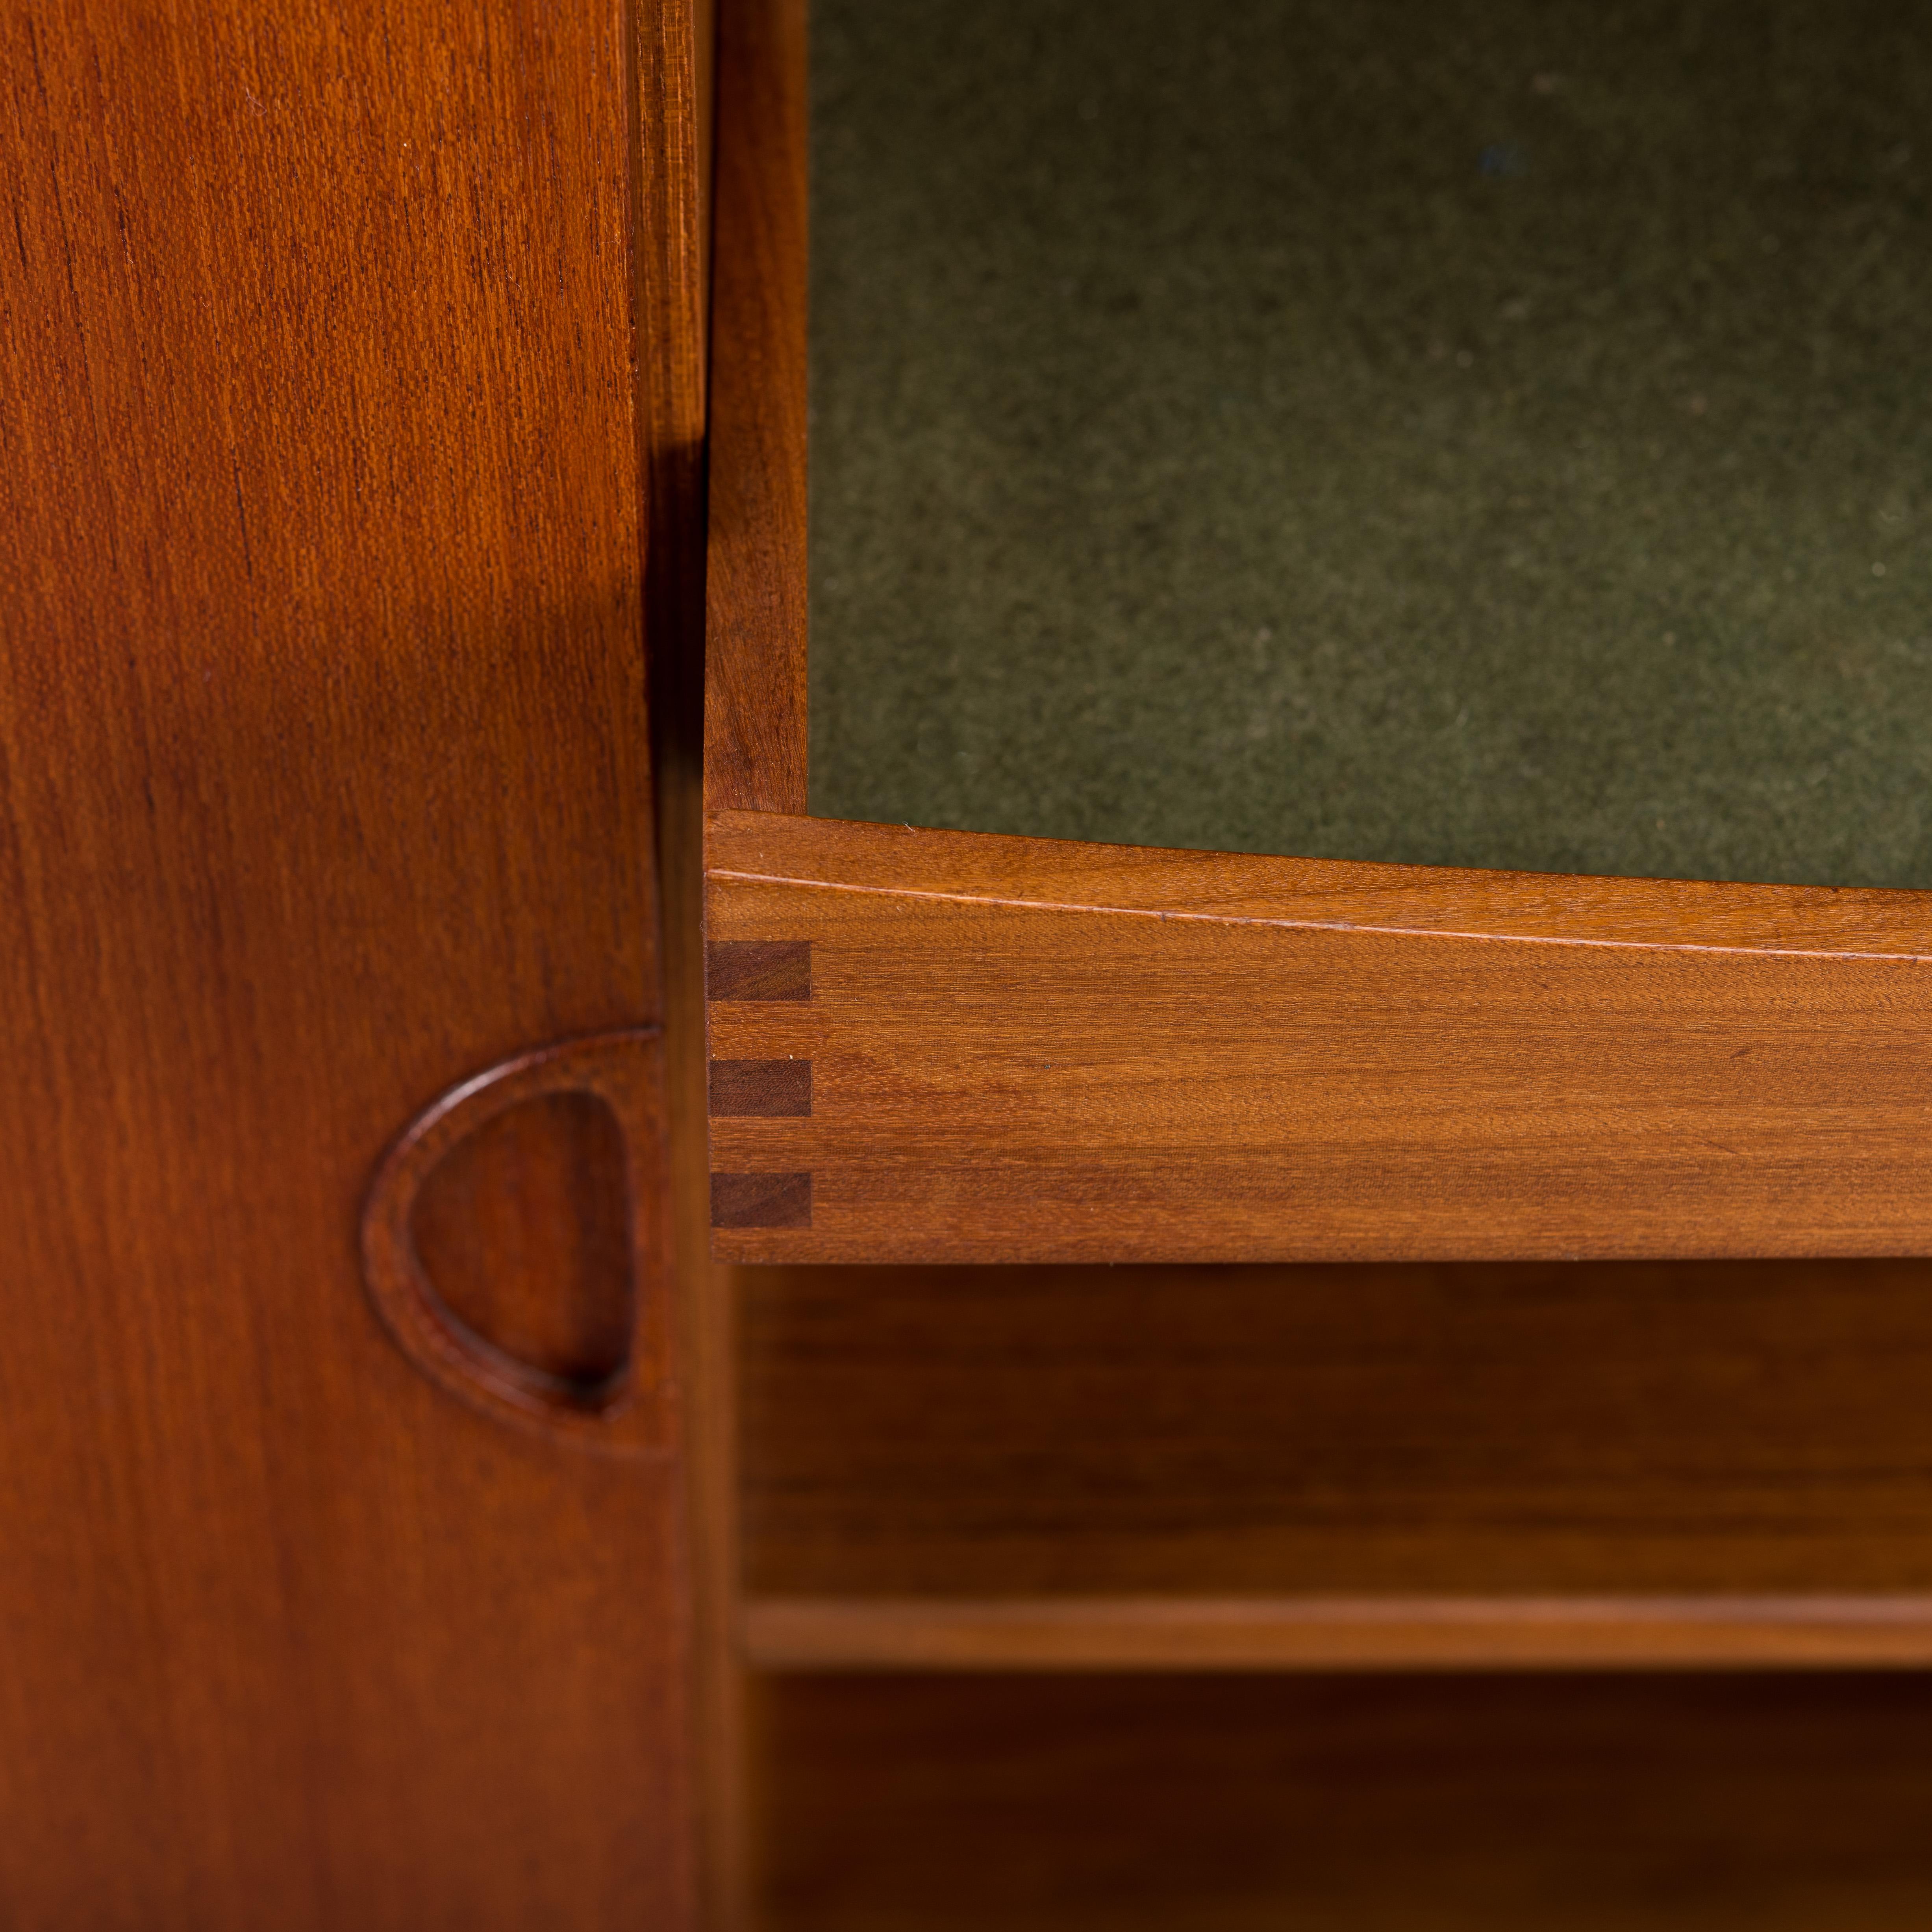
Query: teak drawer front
(998, 1073)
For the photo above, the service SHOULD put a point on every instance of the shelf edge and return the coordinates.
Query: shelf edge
(795, 1633)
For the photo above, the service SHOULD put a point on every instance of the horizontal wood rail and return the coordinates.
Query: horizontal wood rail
(1234, 888)
(1338, 1632)
(1033, 1050)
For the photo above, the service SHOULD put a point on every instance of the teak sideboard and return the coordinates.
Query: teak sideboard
(587, 1348)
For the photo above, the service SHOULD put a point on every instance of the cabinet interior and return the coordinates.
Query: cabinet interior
(1491, 433)
(1612, 1803)
(1585, 1429)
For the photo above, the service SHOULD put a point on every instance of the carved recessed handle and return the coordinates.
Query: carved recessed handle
(624, 1413)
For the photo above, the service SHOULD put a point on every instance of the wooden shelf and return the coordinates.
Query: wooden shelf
(1320, 1633)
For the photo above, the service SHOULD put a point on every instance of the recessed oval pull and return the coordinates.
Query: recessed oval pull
(513, 1242)
(523, 1229)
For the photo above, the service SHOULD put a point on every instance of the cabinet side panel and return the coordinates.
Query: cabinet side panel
(754, 735)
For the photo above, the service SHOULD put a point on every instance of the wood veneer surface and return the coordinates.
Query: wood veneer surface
(323, 736)
(1067, 875)
(754, 655)
(1029, 1050)
(1746, 1805)
(1540, 1430)
(1330, 1632)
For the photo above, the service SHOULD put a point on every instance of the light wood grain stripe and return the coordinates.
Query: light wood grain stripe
(909, 862)
(1338, 1632)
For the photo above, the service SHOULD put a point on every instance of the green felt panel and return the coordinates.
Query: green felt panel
(1467, 431)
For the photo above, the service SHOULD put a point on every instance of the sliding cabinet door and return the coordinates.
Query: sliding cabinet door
(324, 788)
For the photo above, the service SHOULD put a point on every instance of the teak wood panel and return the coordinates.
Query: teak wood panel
(677, 46)
(1319, 1633)
(327, 421)
(1477, 1431)
(1619, 1465)
(1670, 1804)
(754, 681)
(1026, 1051)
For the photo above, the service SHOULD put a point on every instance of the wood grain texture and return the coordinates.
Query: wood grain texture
(524, 1230)
(323, 781)
(1339, 1633)
(1145, 1057)
(629, 1410)
(676, 63)
(707, 1306)
(1471, 1804)
(673, 60)
(1234, 888)
(754, 674)
(1530, 1466)
(708, 1298)
(758, 970)
(674, 43)
(762, 1200)
(1719, 1430)
(763, 1089)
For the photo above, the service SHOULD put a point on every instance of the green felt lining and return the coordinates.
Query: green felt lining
(1491, 433)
